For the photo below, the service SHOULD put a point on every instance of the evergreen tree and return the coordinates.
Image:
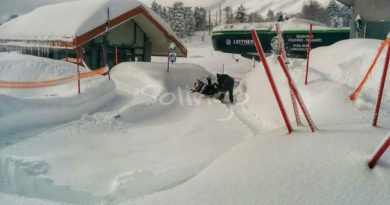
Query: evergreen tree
(254, 17)
(314, 11)
(270, 15)
(177, 19)
(228, 13)
(200, 15)
(240, 14)
(156, 8)
(346, 15)
(164, 14)
(332, 13)
(189, 21)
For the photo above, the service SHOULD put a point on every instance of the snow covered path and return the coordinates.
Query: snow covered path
(154, 145)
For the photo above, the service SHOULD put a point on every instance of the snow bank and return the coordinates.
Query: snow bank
(31, 108)
(135, 154)
(26, 68)
(327, 167)
(348, 61)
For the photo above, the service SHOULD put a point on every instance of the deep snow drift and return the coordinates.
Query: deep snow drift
(155, 142)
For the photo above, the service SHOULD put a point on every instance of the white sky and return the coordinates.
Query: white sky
(9, 7)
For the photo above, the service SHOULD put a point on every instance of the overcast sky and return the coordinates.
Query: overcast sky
(9, 7)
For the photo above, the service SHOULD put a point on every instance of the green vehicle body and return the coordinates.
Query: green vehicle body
(295, 41)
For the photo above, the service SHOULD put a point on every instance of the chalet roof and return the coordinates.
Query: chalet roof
(74, 23)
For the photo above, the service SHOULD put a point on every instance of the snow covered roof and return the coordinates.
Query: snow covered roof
(291, 24)
(75, 23)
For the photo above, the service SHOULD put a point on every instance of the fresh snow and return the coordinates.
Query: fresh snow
(143, 138)
(53, 22)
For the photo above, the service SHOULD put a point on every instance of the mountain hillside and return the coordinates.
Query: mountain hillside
(262, 6)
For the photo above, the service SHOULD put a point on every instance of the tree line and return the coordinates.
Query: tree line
(184, 20)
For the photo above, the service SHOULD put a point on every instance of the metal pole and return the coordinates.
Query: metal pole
(78, 66)
(382, 87)
(168, 64)
(256, 40)
(295, 92)
(380, 151)
(308, 53)
(116, 56)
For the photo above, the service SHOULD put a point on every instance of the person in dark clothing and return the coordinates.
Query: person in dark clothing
(225, 84)
(208, 89)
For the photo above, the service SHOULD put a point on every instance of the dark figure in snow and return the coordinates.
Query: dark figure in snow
(225, 84)
(208, 89)
(280, 18)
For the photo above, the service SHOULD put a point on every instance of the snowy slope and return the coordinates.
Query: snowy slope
(153, 146)
(328, 167)
(170, 146)
(263, 6)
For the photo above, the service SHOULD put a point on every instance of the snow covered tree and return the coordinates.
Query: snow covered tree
(189, 21)
(240, 14)
(228, 15)
(345, 13)
(200, 15)
(314, 11)
(332, 13)
(164, 15)
(339, 15)
(156, 8)
(270, 15)
(254, 17)
(177, 19)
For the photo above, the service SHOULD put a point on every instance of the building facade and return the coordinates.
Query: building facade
(371, 18)
(103, 33)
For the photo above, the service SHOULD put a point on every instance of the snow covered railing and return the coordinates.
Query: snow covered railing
(51, 83)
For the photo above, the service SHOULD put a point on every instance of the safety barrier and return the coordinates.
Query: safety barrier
(51, 83)
(357, 91)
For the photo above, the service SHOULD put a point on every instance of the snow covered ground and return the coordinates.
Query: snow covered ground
(143, 138)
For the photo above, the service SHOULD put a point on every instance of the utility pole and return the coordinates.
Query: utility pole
(210, 22)
(220, 13)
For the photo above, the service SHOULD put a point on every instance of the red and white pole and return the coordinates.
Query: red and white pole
(257, 43)
(308, 53)
(382, 87)
(379, 152)
(297, 95)
(285, 59)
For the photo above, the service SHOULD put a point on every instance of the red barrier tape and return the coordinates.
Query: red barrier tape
(50, 83)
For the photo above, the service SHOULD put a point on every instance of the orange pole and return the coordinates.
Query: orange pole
(355, 93)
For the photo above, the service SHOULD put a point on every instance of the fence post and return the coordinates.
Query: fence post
(78, 66)
(379, 152)
(294, 90)
(308, 53)
(382, 87)
(284, 56)
(257, 43)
